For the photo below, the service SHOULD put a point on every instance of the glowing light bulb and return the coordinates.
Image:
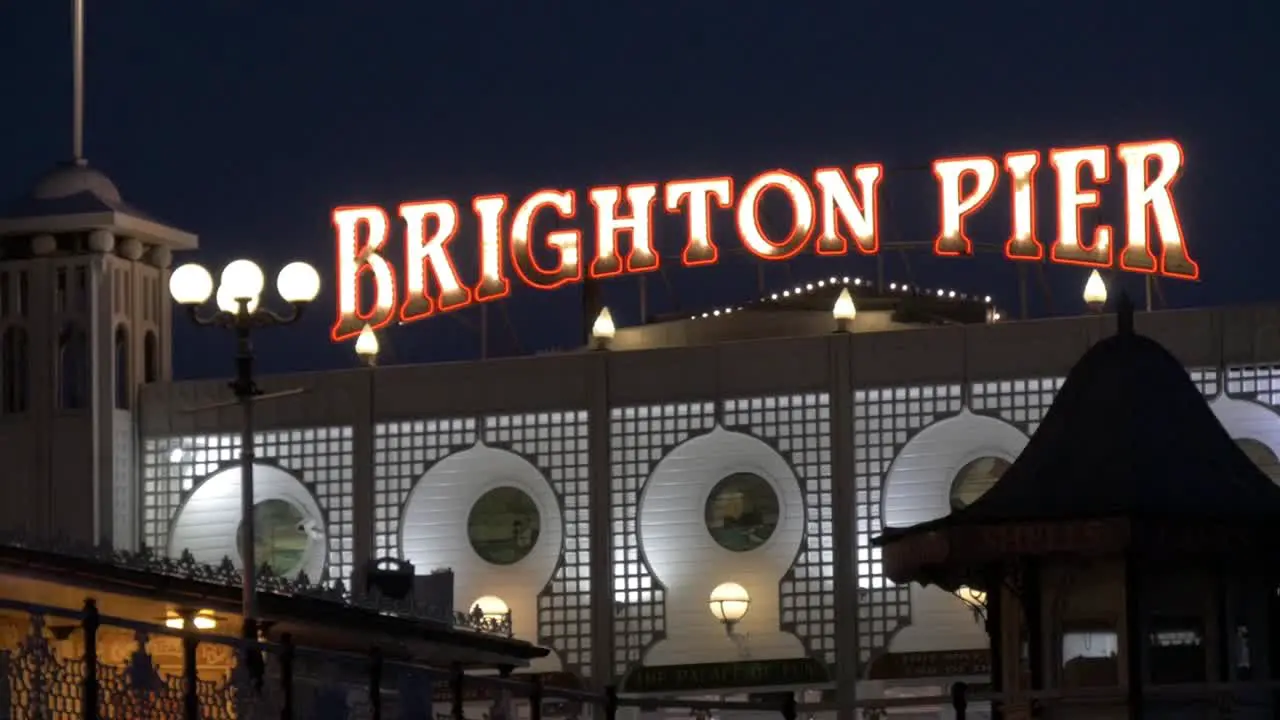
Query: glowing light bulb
(367, 342)
(844, 310)
(1095, 291)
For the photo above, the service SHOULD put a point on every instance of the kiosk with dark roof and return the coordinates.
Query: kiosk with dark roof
(1131, 545)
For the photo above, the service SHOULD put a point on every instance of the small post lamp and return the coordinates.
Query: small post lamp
(603, 329)
(367, 346)
(975, 599)
(490, 611)
(1095, 292)
(844, 311)
(729, 603)
(238, 300)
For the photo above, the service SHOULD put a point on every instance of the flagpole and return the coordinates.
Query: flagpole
(77, 81)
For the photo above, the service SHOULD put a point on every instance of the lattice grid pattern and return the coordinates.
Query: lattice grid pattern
(556, 443)
(1024, 401)
(1207, 380)
(322, 457)
(799, 427)
(884, 419)
(639, 437)
(403, 452)
(1021, 402)
(1255, 382)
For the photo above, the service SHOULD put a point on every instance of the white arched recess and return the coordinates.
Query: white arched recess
(207, 523)
(690, 564)
(917, 489)
(1245, 419)
(433, 534)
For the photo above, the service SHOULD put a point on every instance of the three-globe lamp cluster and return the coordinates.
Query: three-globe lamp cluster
(241, 284)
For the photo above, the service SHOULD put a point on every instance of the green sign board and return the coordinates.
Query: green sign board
(942, 663)
(712, 676)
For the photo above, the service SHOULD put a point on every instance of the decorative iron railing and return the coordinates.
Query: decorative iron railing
(225, 573)
(61, 666)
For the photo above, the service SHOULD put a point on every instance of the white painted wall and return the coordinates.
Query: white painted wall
(917, 489)
(689, 563)
(1248, 419)
(207, 524)
(433, 534)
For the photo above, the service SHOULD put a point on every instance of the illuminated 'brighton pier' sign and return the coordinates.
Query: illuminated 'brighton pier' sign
(834, 210)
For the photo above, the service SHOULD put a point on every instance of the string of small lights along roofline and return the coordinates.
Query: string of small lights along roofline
(837, 281)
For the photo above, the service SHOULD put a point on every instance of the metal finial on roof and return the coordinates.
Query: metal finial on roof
(1124, 315)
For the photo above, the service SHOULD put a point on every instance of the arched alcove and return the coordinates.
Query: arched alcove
(16, 379)
(73, 367)
(122, 383)
(208, 524)
(724, 507)
(1255, 428)
(150, 357)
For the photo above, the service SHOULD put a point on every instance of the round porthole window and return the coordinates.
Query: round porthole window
(975, 479)
(281, 537)
(742, 512)
(503, 526)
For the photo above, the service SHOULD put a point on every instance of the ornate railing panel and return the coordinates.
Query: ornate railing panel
(225, 573)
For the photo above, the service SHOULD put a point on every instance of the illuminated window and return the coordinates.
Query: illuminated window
(281, 537)
(503, 525)
(1262, 456)
(123, 386)
(1176, 651)
(975, 479)
(15, 372)
(73, 368)
(1089, 655)
(742, 512)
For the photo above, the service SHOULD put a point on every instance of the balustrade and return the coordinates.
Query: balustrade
(61, 664)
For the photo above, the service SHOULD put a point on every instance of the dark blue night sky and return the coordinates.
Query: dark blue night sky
(246, 123)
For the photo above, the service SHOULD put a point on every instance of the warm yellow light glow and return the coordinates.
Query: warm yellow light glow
(844, 310)
(491, 606)
(190, 284)
(242, 279)
(367, 343)
(603, 328)
(1095, 291)
(298, 282)
(203, 620)
(971, 597)
(227, 300)
(729, 602)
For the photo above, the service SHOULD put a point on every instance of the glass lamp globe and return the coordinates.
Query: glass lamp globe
(844, 310)
(242, 279)
(190, 284)
(729, 602)
(491, 607)
(367, 342)
(1095, 291)
(227, 301)
(603, 327)
(298, 282)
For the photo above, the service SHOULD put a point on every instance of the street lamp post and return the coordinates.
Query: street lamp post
(239, 309)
